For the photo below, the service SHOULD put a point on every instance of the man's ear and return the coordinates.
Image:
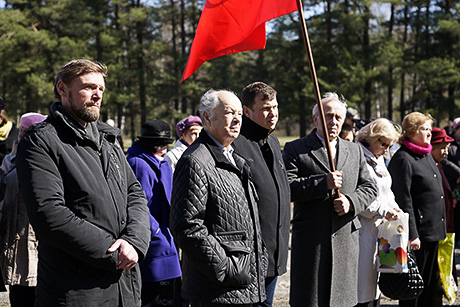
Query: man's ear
(207, 118)
(246, 111)
(315, 120)
(61, 87)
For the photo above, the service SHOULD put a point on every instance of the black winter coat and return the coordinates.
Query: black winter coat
(272, 186)
(214, 220)
(81, 196)
(417, 185)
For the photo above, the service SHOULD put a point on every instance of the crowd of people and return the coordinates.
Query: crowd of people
(207, 222)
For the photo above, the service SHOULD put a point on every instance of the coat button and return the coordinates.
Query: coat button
(442, 196)
(434, 175)
(122, 222)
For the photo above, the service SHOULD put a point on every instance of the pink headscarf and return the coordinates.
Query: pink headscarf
(27, 120)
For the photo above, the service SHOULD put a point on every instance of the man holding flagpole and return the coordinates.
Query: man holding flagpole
(324, 254)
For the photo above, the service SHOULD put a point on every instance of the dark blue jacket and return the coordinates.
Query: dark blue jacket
(155, 176)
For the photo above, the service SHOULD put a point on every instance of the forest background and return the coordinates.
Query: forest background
(385, 64)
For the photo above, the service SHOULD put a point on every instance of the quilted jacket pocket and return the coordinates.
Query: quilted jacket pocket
(238, 269)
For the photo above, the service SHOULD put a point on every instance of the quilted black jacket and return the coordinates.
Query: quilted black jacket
(215, 221)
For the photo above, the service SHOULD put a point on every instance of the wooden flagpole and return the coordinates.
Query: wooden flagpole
(316, 86)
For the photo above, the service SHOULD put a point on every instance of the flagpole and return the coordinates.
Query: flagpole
(316, 86)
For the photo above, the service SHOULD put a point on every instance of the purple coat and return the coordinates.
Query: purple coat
(155, 176)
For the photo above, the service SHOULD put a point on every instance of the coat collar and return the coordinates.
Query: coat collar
(59, 114)
(217, 154)
(377, 164)
(254, 131)
(136, 150)
(318, 151)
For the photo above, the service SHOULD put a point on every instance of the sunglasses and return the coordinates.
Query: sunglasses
(384, 145)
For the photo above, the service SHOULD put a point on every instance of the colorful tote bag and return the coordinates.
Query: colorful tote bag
(392, 240)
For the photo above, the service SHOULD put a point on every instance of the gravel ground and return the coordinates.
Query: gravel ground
(282, 289)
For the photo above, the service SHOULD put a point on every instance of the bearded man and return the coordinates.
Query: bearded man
(86, 207)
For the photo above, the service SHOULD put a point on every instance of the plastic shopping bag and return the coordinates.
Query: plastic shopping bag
(445, 261)
(392, 245)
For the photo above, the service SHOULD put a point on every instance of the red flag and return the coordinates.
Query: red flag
(230, 26)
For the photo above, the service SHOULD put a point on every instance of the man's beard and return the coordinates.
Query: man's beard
(84, 113)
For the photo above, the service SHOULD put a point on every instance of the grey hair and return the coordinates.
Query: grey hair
(329, 96)
(209, 101)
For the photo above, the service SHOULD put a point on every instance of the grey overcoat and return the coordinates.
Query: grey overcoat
(324, 258)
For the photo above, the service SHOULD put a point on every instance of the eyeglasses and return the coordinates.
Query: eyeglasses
(384, 145)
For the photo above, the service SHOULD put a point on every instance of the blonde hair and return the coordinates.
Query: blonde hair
(379, 128)
(412, 122)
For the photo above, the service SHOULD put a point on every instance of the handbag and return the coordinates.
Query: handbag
(403, 286)
(392, 241)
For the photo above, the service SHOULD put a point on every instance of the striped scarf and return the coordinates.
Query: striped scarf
(5, 130)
